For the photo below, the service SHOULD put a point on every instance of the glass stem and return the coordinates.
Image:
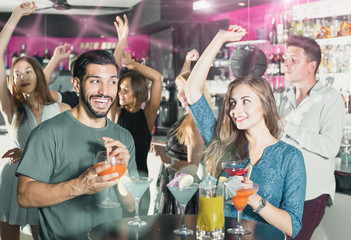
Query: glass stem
(108, 194)
(182, 212)
(239, 219)
(136, 218)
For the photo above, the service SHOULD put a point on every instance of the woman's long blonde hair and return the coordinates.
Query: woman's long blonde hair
(185, 132)
(42, 92)
(228, 141)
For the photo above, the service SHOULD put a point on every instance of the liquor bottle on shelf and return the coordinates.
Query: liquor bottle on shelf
(292, 28)
(36, 56)
(322, 65)
(299, 29)
(278, 70)
(347, 57)
(274, 34)
(272, 66)
(345, 27)
(317, 28)
(282, 67)
(279, 93)
(46, 58)
(334, 27)
(71, 57)
(339, 59)
(23, 51)
(309, 28)
(280, 30)
(14, 57)
(287, 30)
(325, 30)
(346, 96)
(332, 64)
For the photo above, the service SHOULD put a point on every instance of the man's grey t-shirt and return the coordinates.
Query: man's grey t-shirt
(61, 149)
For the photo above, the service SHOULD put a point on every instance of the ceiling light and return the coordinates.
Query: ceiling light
(199, 5)
(241, 4)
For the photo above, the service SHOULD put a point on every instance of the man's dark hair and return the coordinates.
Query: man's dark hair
(309, 45)
(100, 57)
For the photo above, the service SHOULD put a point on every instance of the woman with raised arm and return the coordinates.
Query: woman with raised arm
(61, 52)
(70, 97)
(133, 92)
(183, 149)
(247, 129)
(128, 112)
(25, 103)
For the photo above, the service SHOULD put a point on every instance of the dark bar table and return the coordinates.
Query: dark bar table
(160, 227)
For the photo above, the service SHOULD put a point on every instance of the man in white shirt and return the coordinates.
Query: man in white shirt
(313, 118)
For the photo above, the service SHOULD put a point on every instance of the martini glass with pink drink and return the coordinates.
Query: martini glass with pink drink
(235, 168)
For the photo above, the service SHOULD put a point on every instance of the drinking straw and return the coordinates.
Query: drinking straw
(219, 175)
(249, 169)
(246, 163)
(107, 155)
(107, 152)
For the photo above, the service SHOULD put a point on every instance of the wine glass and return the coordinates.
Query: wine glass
(183, 196)
(137, 187)
(117, 166)
(240, 202)
(235, 168)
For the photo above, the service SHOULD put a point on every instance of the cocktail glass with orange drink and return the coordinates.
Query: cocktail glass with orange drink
(117, 166)
(240, 201)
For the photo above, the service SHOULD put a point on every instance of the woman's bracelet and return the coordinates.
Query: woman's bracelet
(262, 204)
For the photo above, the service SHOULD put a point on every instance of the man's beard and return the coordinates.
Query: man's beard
(96, 114)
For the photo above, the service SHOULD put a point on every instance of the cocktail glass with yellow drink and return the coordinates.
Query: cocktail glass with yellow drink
(240, 201)
(210, 219)
(117, 166)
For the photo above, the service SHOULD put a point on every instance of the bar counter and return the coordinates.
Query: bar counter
(343, 176)
(160, 227)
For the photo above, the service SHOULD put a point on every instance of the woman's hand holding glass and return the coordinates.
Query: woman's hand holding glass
(254, 199)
